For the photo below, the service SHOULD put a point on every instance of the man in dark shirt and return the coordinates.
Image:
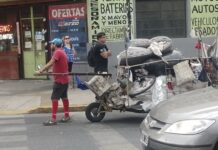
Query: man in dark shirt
(101, 54)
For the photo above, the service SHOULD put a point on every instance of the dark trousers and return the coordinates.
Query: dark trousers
(70, 64)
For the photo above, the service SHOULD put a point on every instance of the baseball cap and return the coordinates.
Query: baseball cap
(56, 41)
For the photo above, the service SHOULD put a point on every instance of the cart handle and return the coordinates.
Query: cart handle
(74, 73)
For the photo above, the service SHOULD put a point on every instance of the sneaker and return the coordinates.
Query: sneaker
(65, 119)
(49, 123)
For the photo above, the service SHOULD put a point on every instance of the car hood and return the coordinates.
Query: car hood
(197, 104)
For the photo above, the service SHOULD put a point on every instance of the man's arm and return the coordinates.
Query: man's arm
(106, 54)
(46, 67)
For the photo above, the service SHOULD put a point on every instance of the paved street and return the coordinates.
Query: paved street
(117, 131)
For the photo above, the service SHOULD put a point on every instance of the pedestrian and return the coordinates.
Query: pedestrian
(70, 51)
(101, 54)
(71, 54)
(61, 80)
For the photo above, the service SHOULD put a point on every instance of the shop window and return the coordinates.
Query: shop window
(25, 13)
(33, 28)
(39, 11)
(27, 31)
(160, 17)
(5, 45)
(8, 33)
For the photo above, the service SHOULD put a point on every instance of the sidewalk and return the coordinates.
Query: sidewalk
(33, 96)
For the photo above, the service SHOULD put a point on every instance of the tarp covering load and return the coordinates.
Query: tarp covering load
(142, 50)
(148, 51)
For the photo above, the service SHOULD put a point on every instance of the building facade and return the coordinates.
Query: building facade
(24, 36)
(26, 27)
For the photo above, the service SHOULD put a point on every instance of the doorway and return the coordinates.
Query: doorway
(33, 30)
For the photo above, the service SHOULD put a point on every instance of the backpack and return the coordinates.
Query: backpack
(91, 56)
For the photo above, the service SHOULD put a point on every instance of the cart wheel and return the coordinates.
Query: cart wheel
(146, 84)
(92, 113)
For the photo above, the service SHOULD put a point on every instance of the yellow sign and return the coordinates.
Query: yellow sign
(109, 16)
(204, 17)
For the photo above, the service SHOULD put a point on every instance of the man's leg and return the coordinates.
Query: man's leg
(65, 101)
(54, 109)
(66, 107)
(54, 97)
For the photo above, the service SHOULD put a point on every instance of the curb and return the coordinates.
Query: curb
(47, 109)
(43, 109)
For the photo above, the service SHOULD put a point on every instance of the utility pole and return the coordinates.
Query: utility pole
(127, 34)
(129, 18)
(127, 29)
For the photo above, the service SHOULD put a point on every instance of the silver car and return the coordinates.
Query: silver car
(186, 122)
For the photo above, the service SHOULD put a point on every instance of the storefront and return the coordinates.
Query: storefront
(22, 40)
(24, 37)
(27, 26)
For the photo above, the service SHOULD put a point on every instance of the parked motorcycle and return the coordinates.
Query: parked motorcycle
(137, 70)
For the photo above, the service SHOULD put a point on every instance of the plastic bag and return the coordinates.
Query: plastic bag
(196, 68)
(159, 92)
(80, 84)
(183, 73)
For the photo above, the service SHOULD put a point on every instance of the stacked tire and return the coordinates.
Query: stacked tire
(140, 51)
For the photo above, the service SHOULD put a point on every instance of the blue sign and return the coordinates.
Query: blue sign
(70, 20)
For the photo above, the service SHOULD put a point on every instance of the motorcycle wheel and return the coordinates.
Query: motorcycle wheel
(92, 113)
(144, 86)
